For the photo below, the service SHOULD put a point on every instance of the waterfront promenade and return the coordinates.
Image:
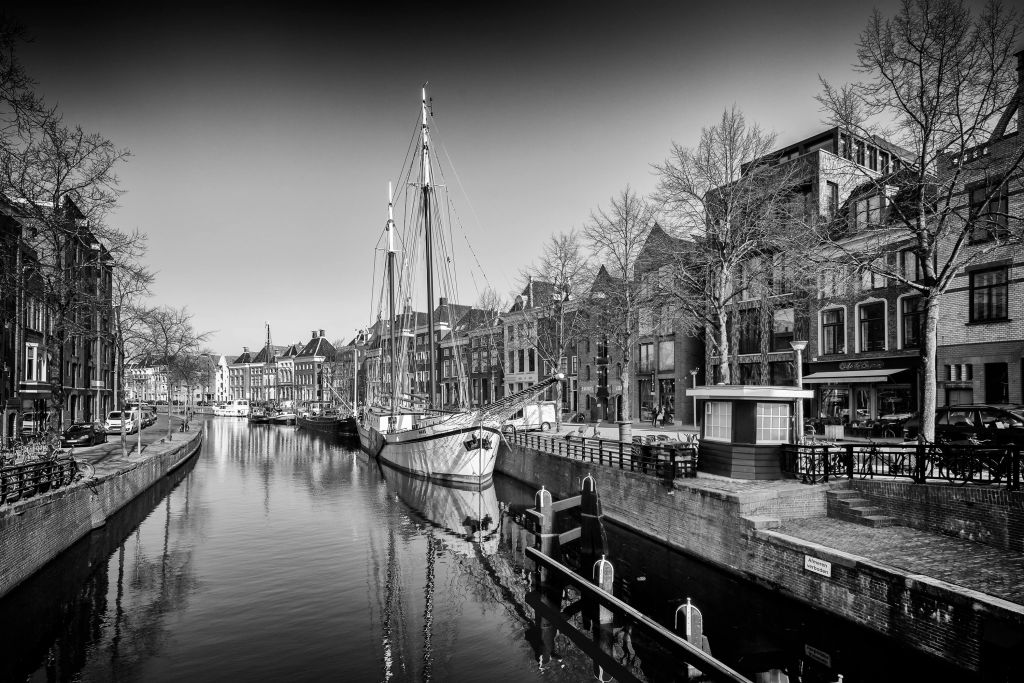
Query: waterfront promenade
(35, 530)
(943, 577)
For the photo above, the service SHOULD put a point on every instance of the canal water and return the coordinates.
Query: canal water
(281, 555)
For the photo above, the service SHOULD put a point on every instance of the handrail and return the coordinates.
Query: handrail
(29, 479)
(956, 463)
(664, 460)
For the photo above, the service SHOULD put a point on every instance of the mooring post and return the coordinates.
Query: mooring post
(693, 629)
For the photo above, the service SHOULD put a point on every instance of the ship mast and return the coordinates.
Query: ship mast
(391, 303)
(429, 250)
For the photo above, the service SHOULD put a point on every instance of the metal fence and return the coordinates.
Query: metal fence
(33, 478)
(960, 464)
(663, 459)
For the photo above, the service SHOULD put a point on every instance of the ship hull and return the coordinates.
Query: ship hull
(448, 454)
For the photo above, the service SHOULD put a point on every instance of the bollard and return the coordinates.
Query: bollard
(693, 629)
(604, 578)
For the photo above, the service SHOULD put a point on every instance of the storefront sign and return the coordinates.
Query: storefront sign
(820, 656)
(861, 365)
(813, 564)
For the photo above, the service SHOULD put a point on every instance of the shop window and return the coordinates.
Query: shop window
(718, 421)
(911, 315)
(772, 423)
(872, 326)
(988, 295)
(781, 373)
(646, 360)
(833, 331)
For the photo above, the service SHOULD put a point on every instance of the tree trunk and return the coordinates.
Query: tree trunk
(928, 375)
(723, 350)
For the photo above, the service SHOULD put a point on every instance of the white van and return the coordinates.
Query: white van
(537, 415)
(115, 418)
(238, 407)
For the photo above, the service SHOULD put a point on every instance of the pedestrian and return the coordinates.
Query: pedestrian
(660, 419)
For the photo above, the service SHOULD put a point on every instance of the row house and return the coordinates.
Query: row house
(600, 363)
(285, 373)
(240, 376)
(980, 357)
(470, 354)
(311, 381)
(776, 301)
(34, 363)
(667, 354)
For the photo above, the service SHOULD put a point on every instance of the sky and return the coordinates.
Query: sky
(263, 137)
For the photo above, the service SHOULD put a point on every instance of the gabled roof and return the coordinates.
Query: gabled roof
(659, 249)
(454, 311)
(245, 357)
(535, 293)
(318, 347)
(267, 356)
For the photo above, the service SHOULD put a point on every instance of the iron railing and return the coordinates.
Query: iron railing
(983, 464)
(33, 478)
(662, 459)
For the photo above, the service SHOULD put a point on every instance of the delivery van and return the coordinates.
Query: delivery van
(537, 415)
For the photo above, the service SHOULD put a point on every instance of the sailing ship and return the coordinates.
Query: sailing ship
(453, 446)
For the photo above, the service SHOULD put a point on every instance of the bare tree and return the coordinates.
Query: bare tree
(941, 80)
(168, 339)
(562, 321)
(616, 235)
(733, 204)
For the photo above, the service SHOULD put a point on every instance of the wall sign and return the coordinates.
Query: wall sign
(813, 564)
(861, 365)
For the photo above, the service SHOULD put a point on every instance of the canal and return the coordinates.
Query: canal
(277, 554)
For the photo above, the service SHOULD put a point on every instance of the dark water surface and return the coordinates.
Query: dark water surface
(280, 555)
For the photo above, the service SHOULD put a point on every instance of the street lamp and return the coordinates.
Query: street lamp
(693, 377)
(798, 348)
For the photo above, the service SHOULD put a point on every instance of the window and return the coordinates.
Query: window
(750, 331)
(833, 332)
(869, 279)
(574, 365)
(872, 326)
(718, 421)
(772, 422)
(910, 265)
(533, 361)
(873, 158)
(832, 198)
(988, 295)
(646, 360)
(991, 217)
(35, 363)
(522, 360)
(859, 148)
(910, 316)
(883, 158)
(782, 329)
(869, 211)
(586, 372)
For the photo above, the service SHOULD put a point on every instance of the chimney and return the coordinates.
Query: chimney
(245, 349)
(312, 335)
(322, 333)
(442, 302)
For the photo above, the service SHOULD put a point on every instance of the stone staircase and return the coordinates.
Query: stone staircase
(848, 505)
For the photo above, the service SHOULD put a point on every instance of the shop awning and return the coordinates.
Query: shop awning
(851, 376)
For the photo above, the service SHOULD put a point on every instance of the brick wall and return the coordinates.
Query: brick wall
(34, 531)
(993, 516)
(732, 530)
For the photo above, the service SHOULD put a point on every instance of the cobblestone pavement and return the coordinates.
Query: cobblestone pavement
(963, 563)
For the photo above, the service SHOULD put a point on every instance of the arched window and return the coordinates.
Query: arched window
(618, 370)
(586, 372)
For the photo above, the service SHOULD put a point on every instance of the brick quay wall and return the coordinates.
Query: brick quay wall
(732, 525)
(36, 530)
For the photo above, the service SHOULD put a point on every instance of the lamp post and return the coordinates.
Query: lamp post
(798, 414)
(693, 376)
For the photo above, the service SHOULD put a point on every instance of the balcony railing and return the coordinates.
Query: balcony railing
(961, 464)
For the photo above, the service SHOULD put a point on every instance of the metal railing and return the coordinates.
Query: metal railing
(983, 464)
(33, 478)
(662, 459)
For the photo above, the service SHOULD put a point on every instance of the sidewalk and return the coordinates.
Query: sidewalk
(107, 457)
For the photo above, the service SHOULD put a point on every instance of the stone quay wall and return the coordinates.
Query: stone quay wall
(734, 530)
(38, 529)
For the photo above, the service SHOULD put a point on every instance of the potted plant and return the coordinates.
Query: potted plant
(834, 428)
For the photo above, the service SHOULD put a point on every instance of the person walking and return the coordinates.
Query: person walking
(659, 420)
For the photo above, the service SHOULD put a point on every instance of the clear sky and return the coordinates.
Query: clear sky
(264, 136)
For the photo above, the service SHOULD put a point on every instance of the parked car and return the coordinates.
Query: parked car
(978, 422)
(84, 434)
(116, 417)
(537, 415)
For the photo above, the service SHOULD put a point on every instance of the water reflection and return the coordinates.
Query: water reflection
(280, 554)
(56, 623)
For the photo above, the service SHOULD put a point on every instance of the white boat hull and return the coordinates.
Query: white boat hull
(452, 454)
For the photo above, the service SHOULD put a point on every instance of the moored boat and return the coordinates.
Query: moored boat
(451, 446)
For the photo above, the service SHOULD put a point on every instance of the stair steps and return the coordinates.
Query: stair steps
(849, 506)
